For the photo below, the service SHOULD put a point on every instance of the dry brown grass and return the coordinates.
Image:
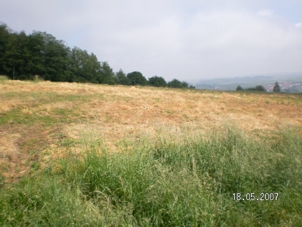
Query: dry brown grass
(117, 113)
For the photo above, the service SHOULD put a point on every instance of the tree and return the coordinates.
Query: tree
(121, 78)
(36, 62)
(4, 39)
(54, 55)
(177, 84)
(260, 88)
(250, 89)
(23, 57)
(239, 88)
(106, 74)
(157, 81)
(174, 83)
(257, 88)
(136, 78)
(184, 84)
(277, 87)
(86, 67)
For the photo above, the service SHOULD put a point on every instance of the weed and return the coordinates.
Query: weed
(166, 184)
(35, 165)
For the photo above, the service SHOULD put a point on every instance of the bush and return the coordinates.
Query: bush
(136, 78)
(239, 88)
(157, 81)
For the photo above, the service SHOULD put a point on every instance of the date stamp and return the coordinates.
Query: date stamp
(255, 196)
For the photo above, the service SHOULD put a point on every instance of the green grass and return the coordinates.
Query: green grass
(3, 78)
(165, 183)
(57, 115)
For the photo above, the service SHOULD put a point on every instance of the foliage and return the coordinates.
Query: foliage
(157, 81)
(260, 88)
(239, 88)
(24, 56)
(106, 75)
(137, 78)
(257, 88)
(178, 84)
(165, 183)
(121, 78)
(277, 87)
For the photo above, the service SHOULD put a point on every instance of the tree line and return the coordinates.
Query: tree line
(256, 88)
(259, 88)
(23, 57)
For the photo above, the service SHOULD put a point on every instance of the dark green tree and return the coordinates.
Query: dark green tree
(239, 88)
(157, 81)
(256, 88)
(136, 78)
(5, 33)
(260, 88)
(77, 61)
(15, 56)
(184, 84)
(177, 84)
(277, 87)
(106, 75)
(54, 56)
(85, 67)
(121, 78)
(36, 60)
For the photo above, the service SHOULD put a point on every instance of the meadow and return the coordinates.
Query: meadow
(97, 155)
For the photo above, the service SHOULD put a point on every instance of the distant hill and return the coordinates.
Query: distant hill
(291, 82)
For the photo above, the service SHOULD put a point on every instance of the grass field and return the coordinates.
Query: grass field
(96, 155)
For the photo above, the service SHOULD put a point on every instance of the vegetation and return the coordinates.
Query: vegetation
(165, 183)
(239, 88)
(157, 81)
(94, 155)
(137, 78)
(256, 88)
(177, 84)
(24, 56)
(3, 78)
(277, 87)
(121, 78)
(76, 154)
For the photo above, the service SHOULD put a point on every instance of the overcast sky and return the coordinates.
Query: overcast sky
(187, 40)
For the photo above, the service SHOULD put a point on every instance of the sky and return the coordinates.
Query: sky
(188, 40)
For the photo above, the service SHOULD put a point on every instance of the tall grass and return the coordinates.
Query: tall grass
(165, 183)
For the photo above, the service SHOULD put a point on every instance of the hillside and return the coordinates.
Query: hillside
(289, 82)
(45, 122)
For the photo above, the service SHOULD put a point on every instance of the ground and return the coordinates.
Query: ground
(38, 119)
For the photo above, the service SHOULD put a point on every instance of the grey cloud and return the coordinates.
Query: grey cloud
(173, 39)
